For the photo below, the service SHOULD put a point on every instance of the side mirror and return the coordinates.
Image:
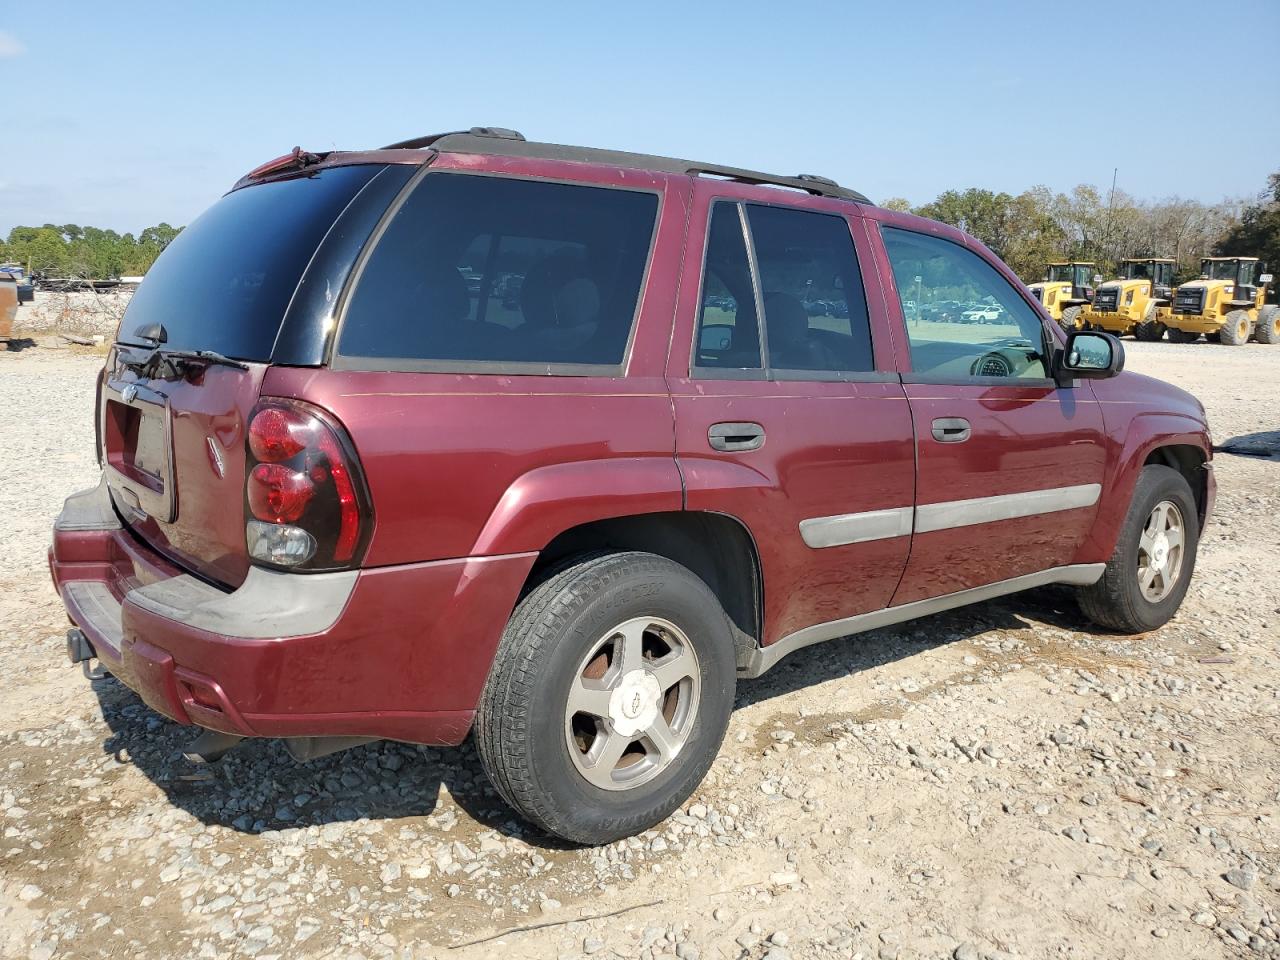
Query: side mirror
(1265, 278)
(1088, 355)
(1097, 279)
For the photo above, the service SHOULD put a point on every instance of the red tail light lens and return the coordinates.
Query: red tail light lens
(277, 493)
(305, 496)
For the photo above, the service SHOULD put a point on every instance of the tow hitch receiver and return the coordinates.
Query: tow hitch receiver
(80, 650)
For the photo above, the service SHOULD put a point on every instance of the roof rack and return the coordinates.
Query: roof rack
(510, 143)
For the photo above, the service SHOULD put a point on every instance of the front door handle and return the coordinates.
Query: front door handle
(731, 437)
(951, 430)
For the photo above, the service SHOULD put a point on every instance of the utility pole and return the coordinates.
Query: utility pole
(1111, 203)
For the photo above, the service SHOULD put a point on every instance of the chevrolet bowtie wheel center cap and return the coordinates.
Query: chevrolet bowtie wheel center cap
(634, 705)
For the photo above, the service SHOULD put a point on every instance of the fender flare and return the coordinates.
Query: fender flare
(1146, 432)
(548, 500)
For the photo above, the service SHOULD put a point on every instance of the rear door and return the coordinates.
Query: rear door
(789, 416)
(1009, 464)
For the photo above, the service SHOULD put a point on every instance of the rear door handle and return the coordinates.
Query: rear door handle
(735, 436)
(951, 430)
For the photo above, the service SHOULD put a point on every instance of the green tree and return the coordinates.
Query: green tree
(1258, 232)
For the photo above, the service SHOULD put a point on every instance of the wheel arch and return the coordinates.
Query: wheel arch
(1169, 439)
(716, 547)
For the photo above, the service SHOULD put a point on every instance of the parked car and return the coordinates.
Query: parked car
(8, 305)
(983, 313)
(574, 532)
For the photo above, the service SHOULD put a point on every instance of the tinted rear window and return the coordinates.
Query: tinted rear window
(476, 269)
(224, 283)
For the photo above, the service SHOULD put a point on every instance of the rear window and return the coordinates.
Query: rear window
(224, 283)
(476, 270)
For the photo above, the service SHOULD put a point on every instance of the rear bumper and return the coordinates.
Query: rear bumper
(396, 652)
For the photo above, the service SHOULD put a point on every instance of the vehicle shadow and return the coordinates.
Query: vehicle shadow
(1052, 605)
(1265, 444)
(258, 787)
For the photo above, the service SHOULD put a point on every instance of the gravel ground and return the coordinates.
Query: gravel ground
(1000, 781)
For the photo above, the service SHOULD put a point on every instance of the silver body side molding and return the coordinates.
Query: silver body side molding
(763, 658)
(1007, 506)
(847, 528)
(820, 532)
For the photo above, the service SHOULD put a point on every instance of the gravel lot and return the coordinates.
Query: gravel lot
(1000, 781)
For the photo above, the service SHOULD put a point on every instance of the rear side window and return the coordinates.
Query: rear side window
(803, 279)
(476, 269)
(225, 281)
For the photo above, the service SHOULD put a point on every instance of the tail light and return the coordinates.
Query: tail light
(305, 500)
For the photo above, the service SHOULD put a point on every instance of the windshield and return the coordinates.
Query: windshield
(225, 282)
(1219, 269)
(1060, 273)
(1138, 271)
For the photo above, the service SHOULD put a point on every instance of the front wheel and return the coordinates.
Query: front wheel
(609, 696)
(1236, 329)
(1148, 574)
(1182, 336)
(1149, 329)
(1267, 329)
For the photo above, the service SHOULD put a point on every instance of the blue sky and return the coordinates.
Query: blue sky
(133, 113)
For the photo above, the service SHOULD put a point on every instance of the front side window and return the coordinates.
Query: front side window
(988, 330)
(803, 279)
(475, 269)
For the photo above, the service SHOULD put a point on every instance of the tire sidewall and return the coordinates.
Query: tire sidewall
(660, 589)
(1155, 484)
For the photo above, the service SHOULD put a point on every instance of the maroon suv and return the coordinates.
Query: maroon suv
(556, 443)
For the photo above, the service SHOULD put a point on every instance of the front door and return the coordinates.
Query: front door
(1009, 464)
(788, 413)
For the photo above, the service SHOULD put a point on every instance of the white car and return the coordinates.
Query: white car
(982, 315)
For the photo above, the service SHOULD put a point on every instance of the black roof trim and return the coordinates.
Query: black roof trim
(508, 143)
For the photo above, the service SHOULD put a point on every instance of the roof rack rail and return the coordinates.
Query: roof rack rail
(417, 143)
(504, 142)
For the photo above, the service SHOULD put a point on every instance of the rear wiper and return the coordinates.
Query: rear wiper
(197, 356)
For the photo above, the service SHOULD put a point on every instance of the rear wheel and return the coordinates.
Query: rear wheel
(1071, 318)
(1267, 329)
(609, 696)
(1148, 574)
(1182, 336)
(1236, 329)
(1149, 329)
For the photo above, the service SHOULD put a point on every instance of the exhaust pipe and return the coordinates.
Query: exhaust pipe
(210, 746)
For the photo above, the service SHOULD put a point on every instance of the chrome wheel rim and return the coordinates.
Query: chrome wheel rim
(1160, 551)
(632, 703)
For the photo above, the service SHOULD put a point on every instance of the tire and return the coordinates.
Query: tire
(1182, 336)
(1267, 329)
(1149, 329)
(1118, 600)
(525, 730)
(1236, 329)
(1071, 318)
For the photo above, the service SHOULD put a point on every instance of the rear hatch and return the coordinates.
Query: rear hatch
(172, 426)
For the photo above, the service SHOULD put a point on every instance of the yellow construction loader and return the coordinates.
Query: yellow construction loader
(1067, 288)
(1226, 303)
(1138, 302)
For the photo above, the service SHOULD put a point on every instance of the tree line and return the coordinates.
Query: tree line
(1039, 226)
(71, 250)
